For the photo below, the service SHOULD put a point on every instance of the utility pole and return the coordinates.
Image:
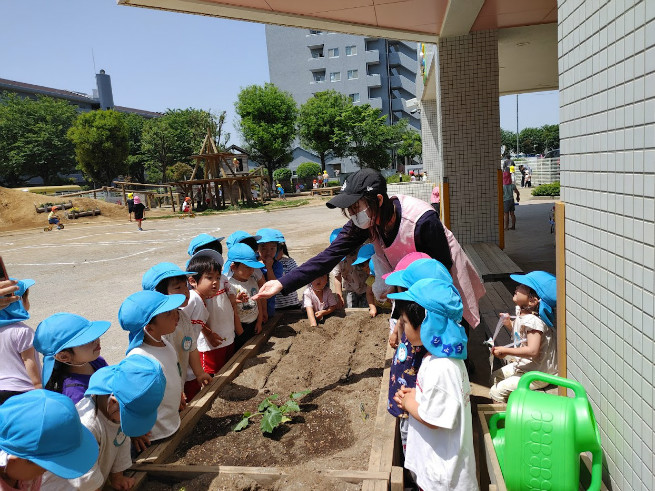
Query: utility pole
(517, 125)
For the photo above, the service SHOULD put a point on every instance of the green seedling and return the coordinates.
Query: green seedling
(273, 415)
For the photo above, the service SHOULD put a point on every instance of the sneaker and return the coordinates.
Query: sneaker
(140, 229)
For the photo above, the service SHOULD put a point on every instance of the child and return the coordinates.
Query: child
(205, 241)
(186, 205)
(268, 247)
(130, 204)
(242, 262)
(212, 305)
(168, 279)
(147, 317)
(318, 300)
(20, 370)
(364, 256)
(349, 281)
(53, 218)
(139, 211)
(440, 435)
(534, 342)
(290, 301)
(41, 431)
(70, 345)
(121, 402)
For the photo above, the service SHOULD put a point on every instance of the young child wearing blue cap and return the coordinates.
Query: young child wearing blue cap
(121, 402)
(268, 247)
(365, 262)
(70, 345)
(289, 301)
(41, 431)
(440, 434)
(212, 307)
(20, 370)
(318, 300)
(242, 262)
(148, 316)
(169, 279)
(534, 344)
(349, 280)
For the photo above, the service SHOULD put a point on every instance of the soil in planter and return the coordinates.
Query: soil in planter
(341, 361)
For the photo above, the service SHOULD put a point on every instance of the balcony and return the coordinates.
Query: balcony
(397, 105)
(397, 58)
(372, 57)
(400, 82)
(373, 80)
(375, 102)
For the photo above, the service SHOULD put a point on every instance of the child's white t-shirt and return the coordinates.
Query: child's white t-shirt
(14, 339)
(114, 452)
(442, 457)
(546, 360)
(168, 416)
(221, 316)
(184, 339)
(248, 311)
(197, 311)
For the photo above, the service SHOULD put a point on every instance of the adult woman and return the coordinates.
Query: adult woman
(396, 225)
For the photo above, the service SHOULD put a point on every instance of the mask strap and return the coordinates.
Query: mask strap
(150, 336)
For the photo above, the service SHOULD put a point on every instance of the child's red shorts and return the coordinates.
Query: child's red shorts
(212, 361)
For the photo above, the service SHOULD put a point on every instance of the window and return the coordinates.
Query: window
(319, 76)
(353, 74)
(316, 52)
(335, 77)
(351, 50)
(333, 52)
(315, 31)
(354, 97)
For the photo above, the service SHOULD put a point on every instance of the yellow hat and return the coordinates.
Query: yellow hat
(130, 195)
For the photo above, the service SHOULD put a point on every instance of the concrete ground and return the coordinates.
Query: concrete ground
(89, 269)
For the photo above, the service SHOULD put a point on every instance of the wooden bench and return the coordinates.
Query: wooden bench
(330, 191)
(490, 261)
(498, 299)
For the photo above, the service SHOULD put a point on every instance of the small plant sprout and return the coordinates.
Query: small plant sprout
(273, 415)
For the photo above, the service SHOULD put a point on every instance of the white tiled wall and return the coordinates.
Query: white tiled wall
(607, 131)
(468, 150)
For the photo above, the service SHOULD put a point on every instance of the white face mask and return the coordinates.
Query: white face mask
(361, 219)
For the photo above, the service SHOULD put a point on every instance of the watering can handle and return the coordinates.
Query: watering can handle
(493, 422)
(596, 470)
(528, 378)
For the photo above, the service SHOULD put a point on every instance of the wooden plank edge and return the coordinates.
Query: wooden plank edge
(397, 479)
(494, 473)
(381, 449)
(560, 273)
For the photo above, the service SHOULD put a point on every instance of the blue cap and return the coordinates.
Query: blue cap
(160, 272)
(140, 308)
(335, 233)
(269, 235)
(365, 253)
(15, 311)
(238, 236)
(419, 270)
(63, 330)
(138, 383)
(242, 253)
(545, 284)
(441, 333)
(201, 240)
(43, 427)
(371, 267)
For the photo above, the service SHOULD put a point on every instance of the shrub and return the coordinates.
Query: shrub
(547, 189)
(393, 178)
(308, 170)
(282, 175)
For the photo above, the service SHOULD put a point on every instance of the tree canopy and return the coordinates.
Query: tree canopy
(532, 140)
(101, 140)
(33, 139)
(319, 120)
(267, 123)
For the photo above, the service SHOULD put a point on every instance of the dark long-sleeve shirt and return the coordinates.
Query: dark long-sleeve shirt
(429, 237)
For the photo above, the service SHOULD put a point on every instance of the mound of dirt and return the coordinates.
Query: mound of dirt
(18, 209)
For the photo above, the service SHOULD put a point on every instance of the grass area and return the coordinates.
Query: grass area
(267, 206)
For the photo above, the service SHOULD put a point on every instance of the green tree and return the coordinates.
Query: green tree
(508, 139)
(267, 123)
(282, 175)
(179, 172)
(410, 146)
(363, 134)
(101, 140)
(531, 140)
(33, 139)
(318, 121)
(136, 160)
(550, 137)
(174, 137)
(308, 170)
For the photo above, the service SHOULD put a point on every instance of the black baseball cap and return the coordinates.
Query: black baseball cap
(361, 183)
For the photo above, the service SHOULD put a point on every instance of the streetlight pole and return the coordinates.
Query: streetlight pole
(517, 125)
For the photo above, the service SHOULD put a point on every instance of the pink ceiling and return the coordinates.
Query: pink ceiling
(499, 14)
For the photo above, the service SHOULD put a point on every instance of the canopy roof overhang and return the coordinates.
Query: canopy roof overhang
(527, 39)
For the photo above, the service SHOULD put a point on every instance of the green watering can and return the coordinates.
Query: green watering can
(539, 448)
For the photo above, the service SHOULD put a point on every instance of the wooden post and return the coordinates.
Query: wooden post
(501, 210)
(560, 269)
(445, 199)
(170, 191)
(124, 195)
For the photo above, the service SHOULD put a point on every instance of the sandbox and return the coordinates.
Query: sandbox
(343, 437)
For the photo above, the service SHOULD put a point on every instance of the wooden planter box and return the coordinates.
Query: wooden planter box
(77, 214)
(382, 474)
(491, 477)
(47, 209)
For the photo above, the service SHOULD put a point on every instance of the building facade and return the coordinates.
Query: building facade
(369, 70)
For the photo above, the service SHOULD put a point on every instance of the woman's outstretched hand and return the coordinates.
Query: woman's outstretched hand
(268, 289)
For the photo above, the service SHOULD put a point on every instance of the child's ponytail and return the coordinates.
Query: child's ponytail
(59, 372)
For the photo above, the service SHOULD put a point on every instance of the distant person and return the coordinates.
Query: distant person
(528, 177)
(186, 206)
(435, 199)
(139, 211)
(53, 218)
(509, 188)
(400, 176)
(326, 178)
(523, 173)
(130, 204)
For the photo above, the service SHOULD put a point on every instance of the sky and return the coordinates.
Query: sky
(159, 60)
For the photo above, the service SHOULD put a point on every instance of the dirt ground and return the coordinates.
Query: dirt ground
(341, 361)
